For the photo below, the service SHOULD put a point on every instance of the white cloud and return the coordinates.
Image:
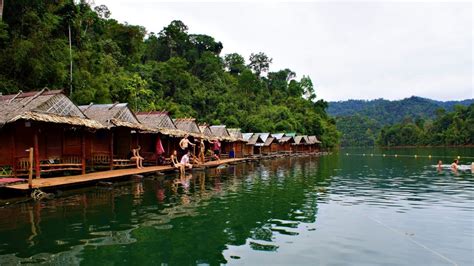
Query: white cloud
(350, 50)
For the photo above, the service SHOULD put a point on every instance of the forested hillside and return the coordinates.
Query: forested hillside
(448, 128)
(389, 112)
(173, 69)
(360, 121)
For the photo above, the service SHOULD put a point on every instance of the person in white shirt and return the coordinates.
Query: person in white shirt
(185, 161)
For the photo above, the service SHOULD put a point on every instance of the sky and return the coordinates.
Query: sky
(351, 50)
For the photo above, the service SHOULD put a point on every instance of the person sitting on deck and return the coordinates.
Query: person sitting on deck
(185, 161)
(137, 158)
(176, 164)
(184, 144)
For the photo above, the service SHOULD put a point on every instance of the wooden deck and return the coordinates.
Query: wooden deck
(104, 175)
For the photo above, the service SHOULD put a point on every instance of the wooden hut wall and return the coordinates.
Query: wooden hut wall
(122, 142)
(72, 142)
(247, 150)
(238, 149)
(266, 150)
(7, 148)
(99, 141)
(226, 147)
(274, 147)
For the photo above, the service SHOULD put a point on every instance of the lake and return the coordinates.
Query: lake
(353, 207)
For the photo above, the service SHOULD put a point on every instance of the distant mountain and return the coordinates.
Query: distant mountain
(389, 112)
(360, 121)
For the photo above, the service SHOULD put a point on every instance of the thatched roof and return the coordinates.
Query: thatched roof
(247, 136)
(278, 136)
(255, 139)
(313, 140)
(44, 106)
(269, 141)
(236, 134)
(189, 126)
(160, 121)
(205, 130)
(300, 140)
(264, 136)
(220, 131)
(113, 115)
(287, 139)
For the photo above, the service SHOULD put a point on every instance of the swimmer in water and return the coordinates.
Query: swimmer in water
(454, 165)
(440, 166)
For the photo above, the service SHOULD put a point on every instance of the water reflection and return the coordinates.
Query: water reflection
(224, 215)
(174, 219)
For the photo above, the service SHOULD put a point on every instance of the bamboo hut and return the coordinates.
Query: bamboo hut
(314, 144)
(247, 148)
(282, 145)
(285, 144)
(51, 124)
(300, 144)
(270, 145)
(239, 143)
(227, 142)
(111, 147)
(256, 142)
(169, 135)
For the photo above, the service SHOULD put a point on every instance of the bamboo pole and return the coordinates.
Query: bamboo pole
(83, 153)
(30, 170)
(36, 155)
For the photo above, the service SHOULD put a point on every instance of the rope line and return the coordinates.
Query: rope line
(414, 241)
(407, 156)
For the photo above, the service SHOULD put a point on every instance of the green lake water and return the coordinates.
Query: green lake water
(340, 209)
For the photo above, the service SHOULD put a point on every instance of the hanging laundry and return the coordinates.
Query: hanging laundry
(159, 146)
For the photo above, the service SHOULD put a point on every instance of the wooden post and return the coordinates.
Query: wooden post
(36, 155)
(111, 149)
(30, 169)
(13, 151)
(83, 152)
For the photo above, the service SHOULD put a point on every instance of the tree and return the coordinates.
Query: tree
(259, 63)
(234, 63)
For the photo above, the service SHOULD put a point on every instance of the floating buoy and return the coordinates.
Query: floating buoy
(429, 156)
(396, 155)
(363, 154)
(416, 156)
(372, 155)
(383, 155)
(459, 157)
(347, 154)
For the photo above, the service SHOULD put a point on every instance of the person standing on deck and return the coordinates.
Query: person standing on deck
(184, 145)
(217, 149)
(202, 150)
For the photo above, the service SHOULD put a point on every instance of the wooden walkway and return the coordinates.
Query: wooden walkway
(105, 175)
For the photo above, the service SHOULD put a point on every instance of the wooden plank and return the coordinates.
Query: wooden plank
(78, 179)
(104, 175)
